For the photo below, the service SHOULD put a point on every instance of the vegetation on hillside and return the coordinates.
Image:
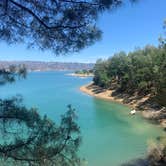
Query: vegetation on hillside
(142, 71)
(61, 26)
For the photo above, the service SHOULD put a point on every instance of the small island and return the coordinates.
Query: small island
(82, 73)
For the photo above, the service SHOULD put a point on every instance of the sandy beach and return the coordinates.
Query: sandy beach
(98, 92)
(80, 75)
(133, 102)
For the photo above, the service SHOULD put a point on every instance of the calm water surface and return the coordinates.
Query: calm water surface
(110, 136)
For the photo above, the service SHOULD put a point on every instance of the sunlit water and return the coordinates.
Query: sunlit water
(110, 135)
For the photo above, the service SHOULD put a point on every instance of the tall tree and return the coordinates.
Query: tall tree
(141, 71)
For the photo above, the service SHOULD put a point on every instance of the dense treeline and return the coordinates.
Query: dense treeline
(142, 71)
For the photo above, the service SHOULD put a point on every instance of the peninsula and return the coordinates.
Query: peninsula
(137, 81)
(82, 73)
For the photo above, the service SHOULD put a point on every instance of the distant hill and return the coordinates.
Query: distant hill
(48, 66)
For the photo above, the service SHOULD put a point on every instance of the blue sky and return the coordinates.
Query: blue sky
(128, 27)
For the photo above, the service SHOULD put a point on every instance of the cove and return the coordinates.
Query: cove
(110, 136)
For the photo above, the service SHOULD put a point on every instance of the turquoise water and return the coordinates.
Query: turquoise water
(110, 136)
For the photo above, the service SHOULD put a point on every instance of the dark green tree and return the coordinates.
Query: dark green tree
(29, 139)
(139, 72)
(62, 26)
(101, 74)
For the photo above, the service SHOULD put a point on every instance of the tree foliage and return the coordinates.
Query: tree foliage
(142, 71)
(12, 73)
(100, 73)
(29, 139)
(62, 26)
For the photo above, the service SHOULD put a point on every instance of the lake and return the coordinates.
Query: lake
(110, 135)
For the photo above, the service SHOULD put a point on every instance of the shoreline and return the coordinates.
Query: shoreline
(105, 95)
(134, 102)
(80, 75)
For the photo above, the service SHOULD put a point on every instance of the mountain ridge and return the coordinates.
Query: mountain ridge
(48, 66)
